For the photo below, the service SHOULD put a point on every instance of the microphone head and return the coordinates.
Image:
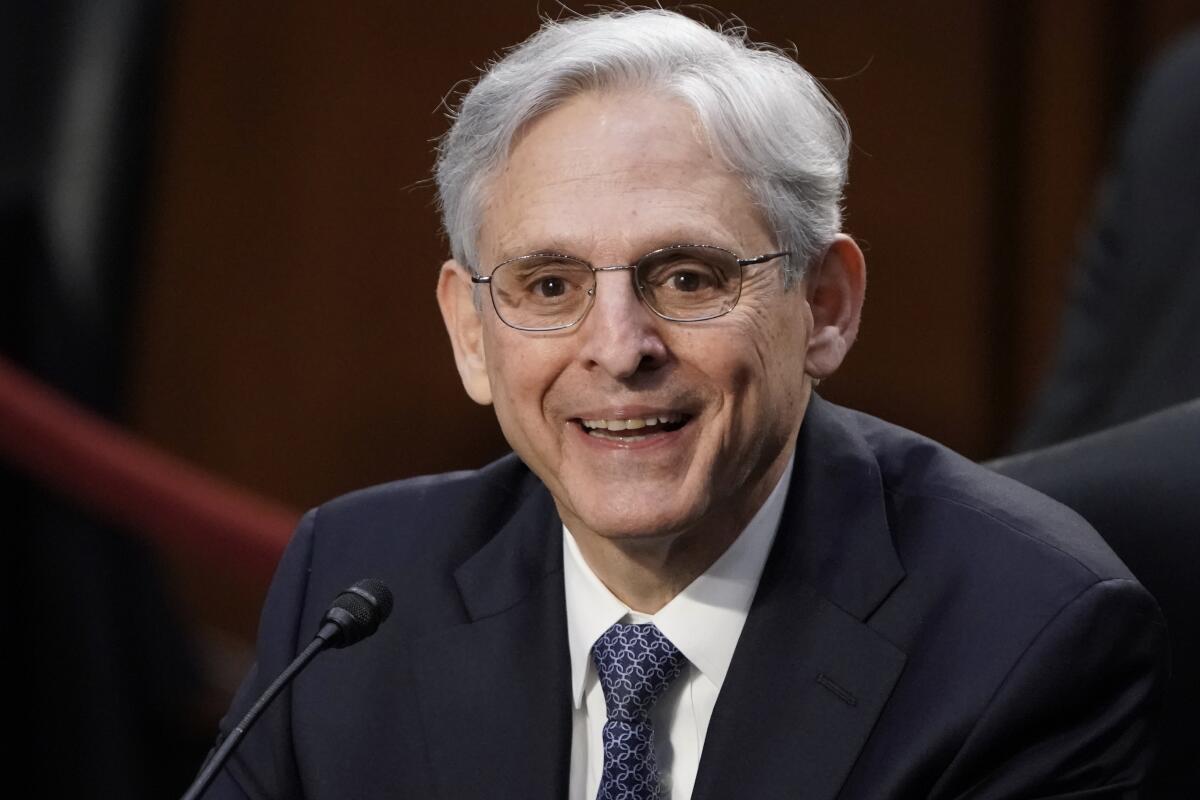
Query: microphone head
(358, 611)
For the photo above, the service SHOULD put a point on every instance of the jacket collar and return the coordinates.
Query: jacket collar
(839, 539)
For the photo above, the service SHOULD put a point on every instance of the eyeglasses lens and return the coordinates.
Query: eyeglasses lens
(690, 283)
(542, 292)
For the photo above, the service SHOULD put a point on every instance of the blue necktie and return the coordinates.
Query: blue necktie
(635, 664)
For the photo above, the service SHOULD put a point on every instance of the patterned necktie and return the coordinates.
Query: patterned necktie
(635, 664)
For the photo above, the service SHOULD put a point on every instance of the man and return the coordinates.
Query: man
(694, 578)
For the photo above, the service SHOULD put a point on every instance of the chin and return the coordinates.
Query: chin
(647, 524)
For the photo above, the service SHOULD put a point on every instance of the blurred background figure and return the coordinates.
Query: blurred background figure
(216, 232)
(1115, 430)
(1137, 484)
(1130, 340)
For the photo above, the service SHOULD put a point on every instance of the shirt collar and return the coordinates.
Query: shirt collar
(704, 620)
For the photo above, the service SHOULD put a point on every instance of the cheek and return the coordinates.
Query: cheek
(521, 371)
(757, 336)
(771, 362)
(732, 358)
(505, 377)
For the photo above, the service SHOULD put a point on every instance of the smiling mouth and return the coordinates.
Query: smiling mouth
(635, 429)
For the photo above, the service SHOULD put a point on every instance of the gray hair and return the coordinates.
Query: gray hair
(768, 118)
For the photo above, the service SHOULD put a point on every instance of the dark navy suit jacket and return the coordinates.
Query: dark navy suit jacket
(923, 629)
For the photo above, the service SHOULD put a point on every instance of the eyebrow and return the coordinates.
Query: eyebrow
(554, 245)
(507, 252)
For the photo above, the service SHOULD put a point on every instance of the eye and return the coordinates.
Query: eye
(544, 280)
(685, 276)
(549, 286)
(554, 282)
(686, 280)
(686, 271)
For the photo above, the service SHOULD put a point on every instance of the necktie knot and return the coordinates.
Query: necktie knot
(635, 664)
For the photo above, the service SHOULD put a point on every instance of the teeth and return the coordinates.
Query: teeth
(630, 424)
(601, 434)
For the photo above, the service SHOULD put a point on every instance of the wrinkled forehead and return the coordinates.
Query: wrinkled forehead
(631, 168)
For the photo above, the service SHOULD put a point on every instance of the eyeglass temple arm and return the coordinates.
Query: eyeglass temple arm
(477, 278)
(746, 262)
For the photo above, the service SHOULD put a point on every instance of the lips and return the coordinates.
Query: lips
(633, 428)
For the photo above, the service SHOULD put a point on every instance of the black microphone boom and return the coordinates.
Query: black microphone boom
(354, 615)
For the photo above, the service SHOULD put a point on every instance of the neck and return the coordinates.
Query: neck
(646, 573)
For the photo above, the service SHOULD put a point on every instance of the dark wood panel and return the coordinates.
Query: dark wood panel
(1061, 144)
(288, 336)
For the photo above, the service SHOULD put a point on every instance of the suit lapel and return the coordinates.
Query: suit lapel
(495, 693)
(809, 677)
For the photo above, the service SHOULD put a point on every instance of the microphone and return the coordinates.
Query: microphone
(354, 615)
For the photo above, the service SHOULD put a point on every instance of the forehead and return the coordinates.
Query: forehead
(615, 174)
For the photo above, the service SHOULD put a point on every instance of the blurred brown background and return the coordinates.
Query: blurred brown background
(287, 336)
(284, 329)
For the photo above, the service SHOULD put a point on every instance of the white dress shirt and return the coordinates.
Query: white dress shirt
(704, 621)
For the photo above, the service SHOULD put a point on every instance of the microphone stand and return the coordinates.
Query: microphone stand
(218, 759)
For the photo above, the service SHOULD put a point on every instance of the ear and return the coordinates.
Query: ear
(835, 289)
(464, 324)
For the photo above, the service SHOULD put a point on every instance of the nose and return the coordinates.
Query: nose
(620, 335)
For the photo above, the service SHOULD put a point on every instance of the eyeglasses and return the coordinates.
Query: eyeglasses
(681, 283)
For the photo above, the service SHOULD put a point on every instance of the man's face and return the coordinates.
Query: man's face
(608, 178)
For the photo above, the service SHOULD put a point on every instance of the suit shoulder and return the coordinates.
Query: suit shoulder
(436, 498)
(937, 492)
(415, 532)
